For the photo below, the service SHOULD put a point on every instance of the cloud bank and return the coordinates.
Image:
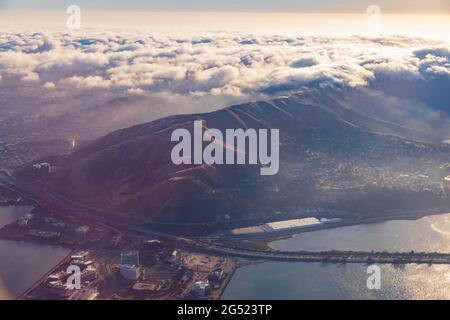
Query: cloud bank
(54, 72)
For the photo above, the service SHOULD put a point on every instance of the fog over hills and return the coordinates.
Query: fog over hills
(90, 83)
(57, 86)
(333, 154)
(364, 121)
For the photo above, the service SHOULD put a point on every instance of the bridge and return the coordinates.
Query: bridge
(333, 256)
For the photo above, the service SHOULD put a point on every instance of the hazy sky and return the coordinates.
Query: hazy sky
(414, 6)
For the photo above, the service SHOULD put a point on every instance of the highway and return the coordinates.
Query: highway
(211, 244)
(121, 222)
(50, 200)
(335, 256)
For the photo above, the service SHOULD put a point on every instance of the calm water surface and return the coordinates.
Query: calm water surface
(22, 264)
(431, 233)
(284, 280)
(10, 214)
(280, 280)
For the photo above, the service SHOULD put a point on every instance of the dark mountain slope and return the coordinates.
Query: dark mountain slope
(330, 156)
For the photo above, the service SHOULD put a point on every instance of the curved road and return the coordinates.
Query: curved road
(47, 199)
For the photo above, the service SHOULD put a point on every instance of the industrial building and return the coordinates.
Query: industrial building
(130, 258)
(130, 272)
(201, 289)
(278, 226)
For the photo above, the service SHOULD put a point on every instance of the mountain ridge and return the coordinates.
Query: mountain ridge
(130, 171)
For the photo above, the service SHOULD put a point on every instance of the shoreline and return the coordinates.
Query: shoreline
(236, 265)
(239, 262)
(44, 277)
(287, 233)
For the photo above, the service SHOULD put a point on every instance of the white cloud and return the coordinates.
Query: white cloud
(30, 76)
(222, 68)
(49, 86)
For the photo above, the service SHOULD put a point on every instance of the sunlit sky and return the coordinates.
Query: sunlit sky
(398, 6)
(320, 17)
